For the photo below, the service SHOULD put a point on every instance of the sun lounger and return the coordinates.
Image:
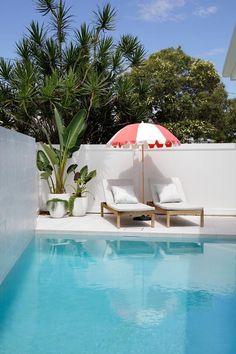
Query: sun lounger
(124, 209)
(174, 208)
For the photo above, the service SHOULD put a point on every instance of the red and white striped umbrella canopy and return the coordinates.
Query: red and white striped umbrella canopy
(144, 133)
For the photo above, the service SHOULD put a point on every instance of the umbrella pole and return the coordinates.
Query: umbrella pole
(142, 177)
(142, 217)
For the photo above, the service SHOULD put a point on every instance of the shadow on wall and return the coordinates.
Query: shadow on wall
(151, 172)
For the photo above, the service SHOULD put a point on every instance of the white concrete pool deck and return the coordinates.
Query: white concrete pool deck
(181, 227)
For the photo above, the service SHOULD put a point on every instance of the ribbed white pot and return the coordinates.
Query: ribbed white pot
(80, 206)
(57, 209)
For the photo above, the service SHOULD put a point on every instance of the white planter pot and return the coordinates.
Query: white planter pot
(80, 206)
(57, 209)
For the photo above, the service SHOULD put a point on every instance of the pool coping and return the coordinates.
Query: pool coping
(197, 237)
(93, 226)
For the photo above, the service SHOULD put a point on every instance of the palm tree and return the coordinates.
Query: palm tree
(71, 69)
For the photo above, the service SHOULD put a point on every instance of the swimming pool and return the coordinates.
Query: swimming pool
(120, 296)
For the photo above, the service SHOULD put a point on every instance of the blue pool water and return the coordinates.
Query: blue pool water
(120, 297)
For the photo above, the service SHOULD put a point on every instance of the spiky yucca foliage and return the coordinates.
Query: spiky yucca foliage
(71, 69)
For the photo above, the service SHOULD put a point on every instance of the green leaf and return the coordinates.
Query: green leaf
(71, 168)
(60, 126)
(51, 154)
(74, 129)
(42, 161)
(91, 175)
(83, 171)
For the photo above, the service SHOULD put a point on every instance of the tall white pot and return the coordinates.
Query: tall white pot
(57, 209)
(80, 206)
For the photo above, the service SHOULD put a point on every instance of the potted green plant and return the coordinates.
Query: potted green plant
(52, 161)
(78, 202)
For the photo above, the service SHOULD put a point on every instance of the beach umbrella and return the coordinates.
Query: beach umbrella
(144, 135)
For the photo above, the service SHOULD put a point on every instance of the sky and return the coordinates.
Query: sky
(202, 28)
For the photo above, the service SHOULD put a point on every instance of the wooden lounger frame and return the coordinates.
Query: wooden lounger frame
(168, 213)
(118, 214)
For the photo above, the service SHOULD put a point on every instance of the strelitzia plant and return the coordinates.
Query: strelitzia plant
(81, 178)
(51, 161)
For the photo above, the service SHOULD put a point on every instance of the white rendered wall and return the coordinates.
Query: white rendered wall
(207, 172)
(18, 196)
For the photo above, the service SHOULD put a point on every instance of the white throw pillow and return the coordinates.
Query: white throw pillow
(168, 193)
(124, 195)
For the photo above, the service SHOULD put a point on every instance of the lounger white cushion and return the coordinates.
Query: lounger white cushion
(175, 180)
(177, 206)
(168, 193)
(124, 194)
(130, 207)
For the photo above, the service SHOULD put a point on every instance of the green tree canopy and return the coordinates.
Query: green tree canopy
(193, 130)
(229, 122)
(181, 88)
